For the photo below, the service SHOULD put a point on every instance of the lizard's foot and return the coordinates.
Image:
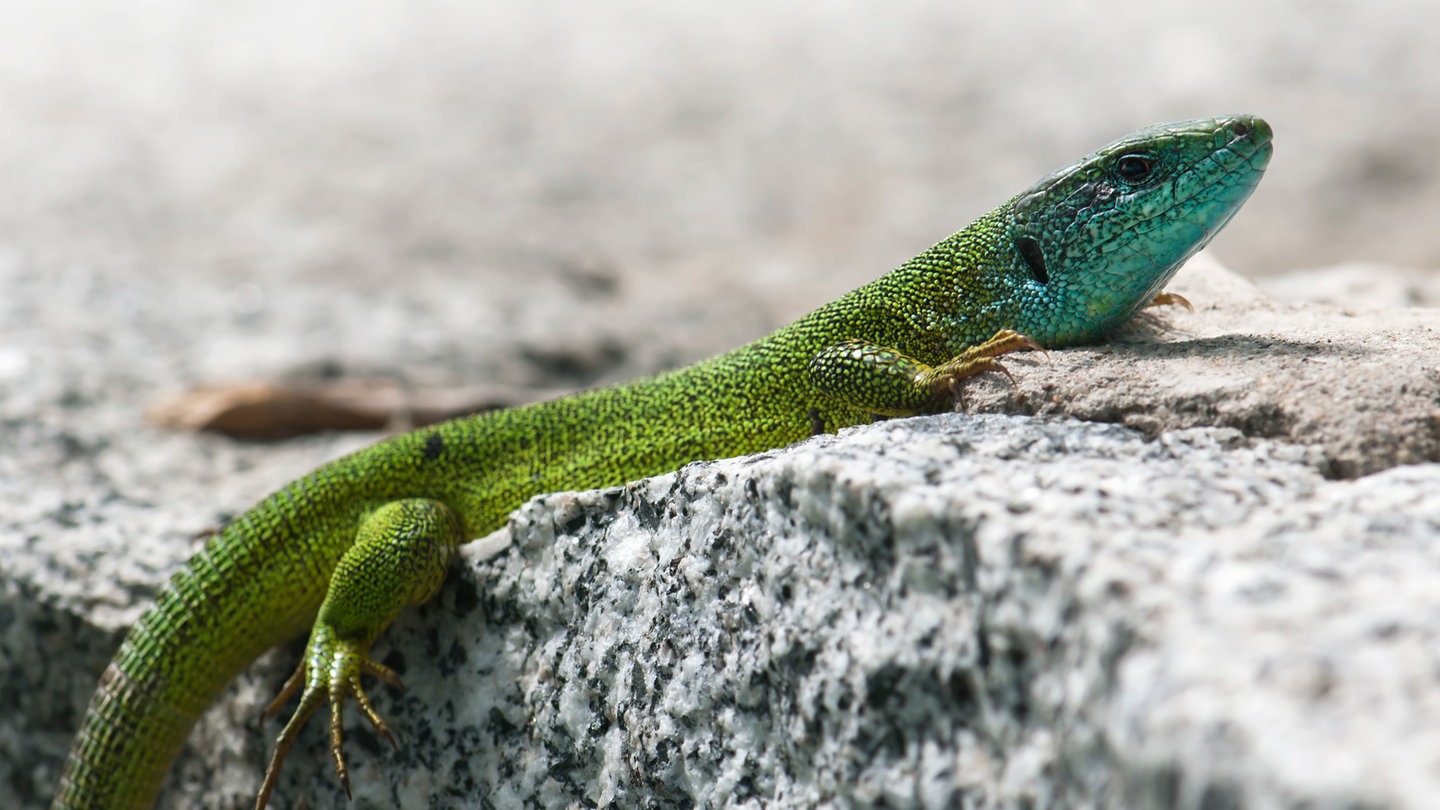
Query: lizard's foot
(399, 557)
(330, 671)
(944, 380)
(884, 381)
(1166, 299)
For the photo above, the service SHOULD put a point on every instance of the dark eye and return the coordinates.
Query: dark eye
(1134, 169)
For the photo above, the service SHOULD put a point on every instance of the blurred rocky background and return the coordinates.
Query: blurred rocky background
(774, 153)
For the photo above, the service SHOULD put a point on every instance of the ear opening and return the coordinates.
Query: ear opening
(1034, 257)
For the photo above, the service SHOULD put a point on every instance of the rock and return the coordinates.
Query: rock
(1363, 385)
(1221, 598)
(1358, 286)
(985, 611)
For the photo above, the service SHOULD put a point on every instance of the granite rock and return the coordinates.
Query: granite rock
(1362, 384)
(1220, 599)
(955, 611)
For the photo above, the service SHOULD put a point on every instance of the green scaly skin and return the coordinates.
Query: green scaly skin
(1061, 264)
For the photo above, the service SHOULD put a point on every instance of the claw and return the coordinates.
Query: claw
(328, 677)
(292, 685)
(399, 557)
(309, 702)
(1168, 298)
(363, 700)
(1004, 342)
(1036, 347)
(997, 367)
(957, 394)
(337, 744)
(945, 379)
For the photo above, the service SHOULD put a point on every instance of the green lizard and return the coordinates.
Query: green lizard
(344, 549)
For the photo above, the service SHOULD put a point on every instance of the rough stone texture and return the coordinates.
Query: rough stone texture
(1020, 613)
(1358, 285)
(963, 612)
(1361, 384)
(957, 611)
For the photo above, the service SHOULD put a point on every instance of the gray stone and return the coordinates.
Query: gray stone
(1362, 385)
(991, 610)
(1357, 286)
(955, 611)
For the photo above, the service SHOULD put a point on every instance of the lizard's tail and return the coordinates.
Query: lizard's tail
(204, 628)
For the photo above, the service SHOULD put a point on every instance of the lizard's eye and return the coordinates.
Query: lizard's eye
(1134, 169)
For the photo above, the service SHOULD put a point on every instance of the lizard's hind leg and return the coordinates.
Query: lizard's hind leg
(400, 555)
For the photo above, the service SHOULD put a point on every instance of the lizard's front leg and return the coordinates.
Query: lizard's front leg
(400, 555)
(883, 381)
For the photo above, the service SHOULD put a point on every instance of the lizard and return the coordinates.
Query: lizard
(341, 551)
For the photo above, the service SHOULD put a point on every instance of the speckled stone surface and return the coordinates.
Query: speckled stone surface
(997, 611)
(947, 612)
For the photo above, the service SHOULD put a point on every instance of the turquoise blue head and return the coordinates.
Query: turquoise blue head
(1093, 243)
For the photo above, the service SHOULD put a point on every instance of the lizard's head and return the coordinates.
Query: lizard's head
(1094, 242)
